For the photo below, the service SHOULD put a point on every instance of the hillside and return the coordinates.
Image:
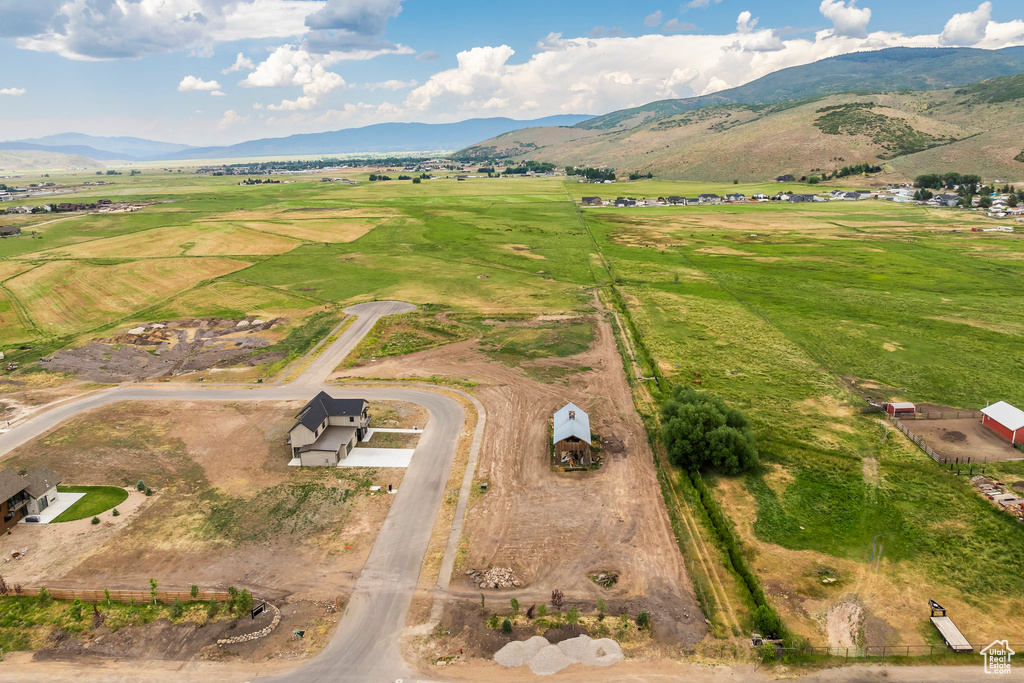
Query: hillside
(976, 129)
(898, 68)
(35, 160)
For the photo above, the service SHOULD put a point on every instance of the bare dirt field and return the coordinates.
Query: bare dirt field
(227, 510)
(963, 439)
(169, 347)
(556, 529)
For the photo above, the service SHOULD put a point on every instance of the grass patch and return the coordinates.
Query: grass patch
(407, 333)
(97, 499)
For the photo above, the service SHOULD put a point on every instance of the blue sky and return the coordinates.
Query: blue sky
(221, 71)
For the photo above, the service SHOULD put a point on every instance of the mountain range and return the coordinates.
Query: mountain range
(374, 139)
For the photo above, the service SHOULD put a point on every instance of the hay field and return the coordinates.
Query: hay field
(194, 240)
(65, 297)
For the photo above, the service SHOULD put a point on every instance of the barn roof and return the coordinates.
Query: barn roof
(324, 405)
(903, 406)
(571, 421)
(1010, 417)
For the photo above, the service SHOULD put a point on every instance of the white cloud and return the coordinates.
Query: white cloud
(231, 118)
(847, 20)
(391, 85)
(428, 56)
(13, 92)
(744, 23)
(967, 28)
(193, 84)
(116, 29)
(289, 65)
(653, 19)
(701, 4)
(241, 62)
(302, 103)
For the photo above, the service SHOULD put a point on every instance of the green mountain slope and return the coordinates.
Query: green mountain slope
(877, 71)
(978, 128)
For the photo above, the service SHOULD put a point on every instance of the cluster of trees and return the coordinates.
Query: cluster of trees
(110, 173)
(637, 175)
(489, 170)
(591, 173)
(260, 181)
(527, 166)
(948, 181)
(375, 178)
(700, 430)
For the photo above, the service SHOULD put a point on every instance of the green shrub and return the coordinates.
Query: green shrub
(244, 601)
(542, 610)
(194, 592)
(766, 621)
(643, 620)
(573, 615)
(115, 513)
(141, 486)
(492, 622)
(212, 608)
(506, 626)
(76, 610)
(515, 605)
(700, 429)
(44, 598)
(95, 520)
(177, 609)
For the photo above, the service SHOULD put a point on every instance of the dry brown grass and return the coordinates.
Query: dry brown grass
(67, 296)
(195, 240)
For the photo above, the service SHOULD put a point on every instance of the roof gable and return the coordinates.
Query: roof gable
(1009, 416)
(571, 421)
(40, 480)
(11, 483)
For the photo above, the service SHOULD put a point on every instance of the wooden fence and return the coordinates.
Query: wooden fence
(85, 595)
(870, 651)
(947, 415)
(918, 440)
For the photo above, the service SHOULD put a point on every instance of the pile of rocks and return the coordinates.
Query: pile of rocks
(545, 659)
(497, 577)
(256, 635)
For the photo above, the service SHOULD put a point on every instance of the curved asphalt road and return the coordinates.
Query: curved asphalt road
(366, 645)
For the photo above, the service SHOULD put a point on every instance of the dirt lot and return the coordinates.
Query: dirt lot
(555, 529)
(169, 348)
(966, 438)
(227, 510)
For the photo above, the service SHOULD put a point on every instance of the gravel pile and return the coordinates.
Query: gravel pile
(549, 661)
(498, 577)
(513, 654)
(545, 659)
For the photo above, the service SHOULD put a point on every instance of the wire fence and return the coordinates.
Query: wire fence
(957, 462)
(873, 651)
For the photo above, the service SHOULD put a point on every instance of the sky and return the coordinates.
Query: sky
(209, 72)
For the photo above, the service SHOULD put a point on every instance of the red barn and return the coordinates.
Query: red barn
(900, 409)
(1005, 420)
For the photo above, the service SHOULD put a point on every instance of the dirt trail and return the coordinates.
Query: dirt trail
(556, 529)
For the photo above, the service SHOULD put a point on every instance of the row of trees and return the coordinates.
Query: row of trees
(528, 166)
(591, 173)
(948, 181)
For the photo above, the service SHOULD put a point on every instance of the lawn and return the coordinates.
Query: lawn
(97, 499)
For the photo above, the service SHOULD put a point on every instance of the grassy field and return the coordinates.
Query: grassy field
(778, 308)
(97, 499)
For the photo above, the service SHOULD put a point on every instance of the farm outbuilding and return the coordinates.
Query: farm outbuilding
(572, 437)
(901, 409)
(1005, 420)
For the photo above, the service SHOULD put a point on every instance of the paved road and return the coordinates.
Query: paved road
(366, 646)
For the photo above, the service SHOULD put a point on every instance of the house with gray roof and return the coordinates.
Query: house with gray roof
(24, 495)
(571, 437)
(328, 429)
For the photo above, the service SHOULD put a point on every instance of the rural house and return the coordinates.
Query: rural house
(572, 437)
(328, 429)
(592, 201)
(9, 230)
(710, 199)
(1005, 420)
(21, 496)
